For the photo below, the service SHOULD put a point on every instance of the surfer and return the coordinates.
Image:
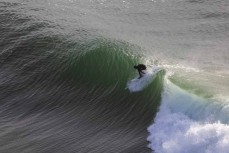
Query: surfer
(140, 68)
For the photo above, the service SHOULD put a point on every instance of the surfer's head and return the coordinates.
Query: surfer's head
(140, 67)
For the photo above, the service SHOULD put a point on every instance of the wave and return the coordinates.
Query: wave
(53, 84)
(105, 69)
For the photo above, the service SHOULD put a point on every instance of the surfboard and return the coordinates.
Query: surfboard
(136, 85)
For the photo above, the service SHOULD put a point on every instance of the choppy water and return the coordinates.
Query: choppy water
(65, 65)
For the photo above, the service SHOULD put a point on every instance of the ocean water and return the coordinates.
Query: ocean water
(65, 67)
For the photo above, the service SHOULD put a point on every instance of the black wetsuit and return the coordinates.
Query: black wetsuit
(140, 67)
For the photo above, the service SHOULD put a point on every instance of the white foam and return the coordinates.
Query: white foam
(186, 124)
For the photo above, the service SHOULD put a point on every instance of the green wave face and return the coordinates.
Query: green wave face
(102, 69)
(104, 63)
(192, 86)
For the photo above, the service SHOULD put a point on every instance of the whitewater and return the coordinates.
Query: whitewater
(187, 123)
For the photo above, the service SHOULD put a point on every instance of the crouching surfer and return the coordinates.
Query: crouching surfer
(140, 68)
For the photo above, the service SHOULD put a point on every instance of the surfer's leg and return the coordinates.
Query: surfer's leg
(140, 75)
